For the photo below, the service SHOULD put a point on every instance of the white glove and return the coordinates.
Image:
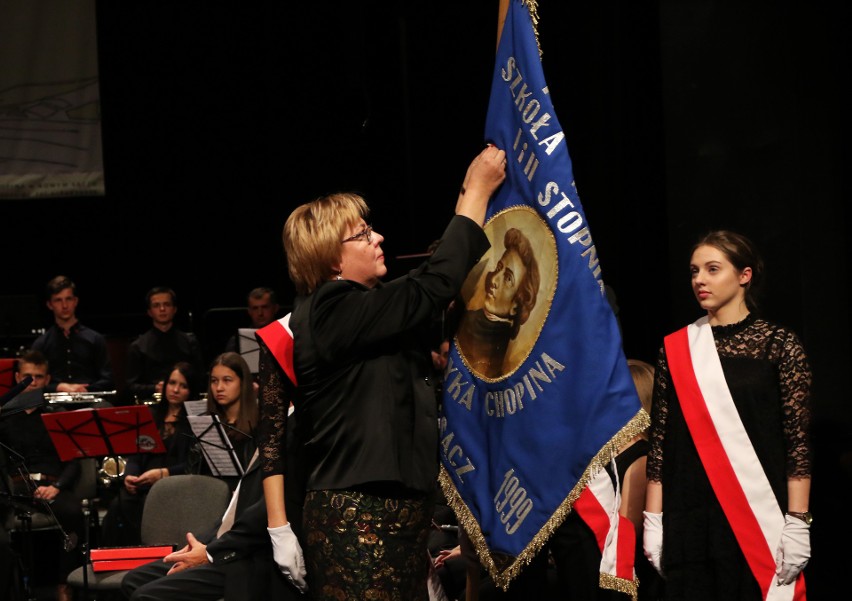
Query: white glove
(794, 550)
(288, 555)
(652, 539)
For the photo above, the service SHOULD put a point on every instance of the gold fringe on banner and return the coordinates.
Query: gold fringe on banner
(628, 587)
(504, 568)
(532, 6)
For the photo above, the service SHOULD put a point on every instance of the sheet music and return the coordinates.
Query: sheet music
(195, 407)
(249, 348)
(215, 445)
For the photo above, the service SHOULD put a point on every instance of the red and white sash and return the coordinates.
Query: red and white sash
(598, 506)
(728, 456)
(279, 339)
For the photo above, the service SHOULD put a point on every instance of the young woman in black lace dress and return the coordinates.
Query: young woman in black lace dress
(729, 469)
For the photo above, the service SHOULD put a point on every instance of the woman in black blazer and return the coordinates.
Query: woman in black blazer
(364, 400)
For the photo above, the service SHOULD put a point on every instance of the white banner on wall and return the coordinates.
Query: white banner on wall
(50, 126)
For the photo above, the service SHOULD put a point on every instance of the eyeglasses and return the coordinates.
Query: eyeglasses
(367, 233)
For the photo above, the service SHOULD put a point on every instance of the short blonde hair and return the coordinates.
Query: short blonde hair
(313, 234)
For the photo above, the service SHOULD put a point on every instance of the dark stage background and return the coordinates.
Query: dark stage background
(680, 116)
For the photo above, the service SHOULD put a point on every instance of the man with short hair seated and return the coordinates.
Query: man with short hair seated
(33, 464)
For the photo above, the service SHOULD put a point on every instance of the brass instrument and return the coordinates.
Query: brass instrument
(111, 469)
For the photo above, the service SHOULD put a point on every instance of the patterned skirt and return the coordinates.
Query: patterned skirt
(365, 547)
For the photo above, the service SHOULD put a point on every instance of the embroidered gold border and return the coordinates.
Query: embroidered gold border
(502, 568)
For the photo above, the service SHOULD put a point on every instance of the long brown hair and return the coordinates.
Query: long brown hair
(187, 370)
(248, 416)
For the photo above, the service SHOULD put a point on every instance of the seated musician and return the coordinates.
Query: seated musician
(78, 355)
(153, 354)
(232, 396)
(34, 468)
(123, 521)
(235, 562)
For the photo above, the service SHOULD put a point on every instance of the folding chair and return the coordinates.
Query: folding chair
(175, 505)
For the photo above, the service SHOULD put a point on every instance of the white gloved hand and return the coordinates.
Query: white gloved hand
(652, 539)
(288, 555)
(794, 550)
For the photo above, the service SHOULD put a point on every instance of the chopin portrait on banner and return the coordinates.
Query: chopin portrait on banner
(507, 294)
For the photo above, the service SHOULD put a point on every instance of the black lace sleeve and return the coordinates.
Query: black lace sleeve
(794, 375)
(659, 415)
(274, 405)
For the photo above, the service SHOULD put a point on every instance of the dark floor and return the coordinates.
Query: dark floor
(41, 572)
(48, 593)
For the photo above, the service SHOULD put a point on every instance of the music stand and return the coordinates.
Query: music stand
(249, 348)
(7, 374)
(12, 394)
(30, 399)
(216, 446)
(104, 432)
(108, 431)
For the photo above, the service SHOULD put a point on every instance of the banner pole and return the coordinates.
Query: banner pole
(501, 17)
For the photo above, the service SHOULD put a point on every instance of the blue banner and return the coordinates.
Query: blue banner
(537, 392)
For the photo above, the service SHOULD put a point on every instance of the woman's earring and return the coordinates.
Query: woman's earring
(338, 277)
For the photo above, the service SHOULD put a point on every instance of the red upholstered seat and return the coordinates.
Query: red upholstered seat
(7, 374)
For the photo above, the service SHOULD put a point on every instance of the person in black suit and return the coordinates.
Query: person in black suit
(153, 354)
(235, 564)
(78, 356)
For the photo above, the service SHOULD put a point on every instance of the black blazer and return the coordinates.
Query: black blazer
(365, 398)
